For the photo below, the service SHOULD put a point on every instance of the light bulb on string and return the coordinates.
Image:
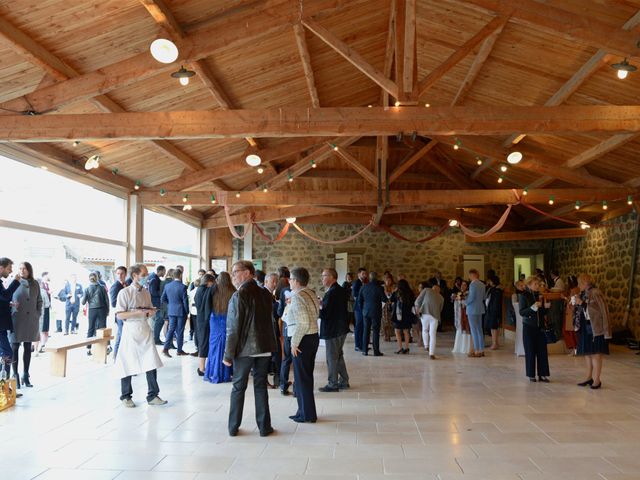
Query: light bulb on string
(500, 179)
(264, 189)
(237, 194)
(577, 207)
(260, 170)
(290, 178)
(185, 198)
(479, 161)
(605, 206)
(137, 185)
(457, 144)
(629, 200)
(551, 200)
(503, 168)
(525, 192)
(313, 164)
(213, 198)
(453, 222)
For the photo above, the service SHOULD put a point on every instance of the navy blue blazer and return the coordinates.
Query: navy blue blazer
(175, 296)
(356, 286)
(6, 295)
(65, 296)
(370, 300)
(154, 289)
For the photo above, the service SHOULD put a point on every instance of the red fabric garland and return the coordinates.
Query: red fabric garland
(399, 236)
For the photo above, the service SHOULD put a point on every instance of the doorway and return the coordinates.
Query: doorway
(526, 265)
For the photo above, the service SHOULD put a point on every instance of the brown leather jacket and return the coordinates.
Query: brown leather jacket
(598, 313)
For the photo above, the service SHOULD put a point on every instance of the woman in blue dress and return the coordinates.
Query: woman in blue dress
(215, 371)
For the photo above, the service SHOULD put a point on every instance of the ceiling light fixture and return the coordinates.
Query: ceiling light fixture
(577, 207)
(313, 164)
(500, 179)
(453, 222)
(253, 160)
(92, 162)
(551, 200)
(584, 225)
(76, 143)
(163, 50)
(291, 219)
(457, 144)
(605, 206)
(290, 178)
(525, 192)
(237, 194)
(503, 168)
(623, 68)
(137, 185)
(479, 161)
(183, 75)
(397, 104)
(44, 167)
(163, 192)
(260, 170)
(629, 200)
(213, 198)
(185, 198)
(514, 158)
(264, 189)
(186, 207)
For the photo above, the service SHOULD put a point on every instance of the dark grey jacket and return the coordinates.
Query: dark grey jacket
(96, 296)
(249, 327)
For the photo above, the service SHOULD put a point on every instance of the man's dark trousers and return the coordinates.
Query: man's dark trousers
(358, 328)
(336, 367)
(371, 323)
(176, 326)
(285, 366)
(242, 366)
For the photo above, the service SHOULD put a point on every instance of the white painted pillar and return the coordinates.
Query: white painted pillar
(204, 248)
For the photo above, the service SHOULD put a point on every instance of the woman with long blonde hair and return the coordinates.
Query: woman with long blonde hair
(215, 371)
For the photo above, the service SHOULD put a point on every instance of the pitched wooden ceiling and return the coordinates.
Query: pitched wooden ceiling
(271, 56)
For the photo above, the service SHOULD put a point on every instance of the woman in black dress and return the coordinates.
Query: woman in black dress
(402, 314)
(493, 314)
(592, 318)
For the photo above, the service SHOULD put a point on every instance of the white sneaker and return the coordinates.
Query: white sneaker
(127, 402)
(157, 401)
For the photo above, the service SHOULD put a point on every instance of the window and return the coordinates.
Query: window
(170, 234)
(34, 196)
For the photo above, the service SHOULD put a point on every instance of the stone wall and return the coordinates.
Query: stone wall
(606, 254)
(380, 251)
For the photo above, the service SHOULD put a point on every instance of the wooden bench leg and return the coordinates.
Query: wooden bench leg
(59, 363)
(100, 352)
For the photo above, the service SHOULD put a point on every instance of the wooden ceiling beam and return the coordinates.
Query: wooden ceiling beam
(355, 164)
(585, 72)
(305, 58)
(263, 216)
(586, 30)
(298, 122)
(443, 198)
(455, 58)
(224, 31)
(409, 59)
(591, 154)
(404, 166)
(389, 52)
(352, 56)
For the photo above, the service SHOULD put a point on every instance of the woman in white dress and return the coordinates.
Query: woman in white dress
(462, 343)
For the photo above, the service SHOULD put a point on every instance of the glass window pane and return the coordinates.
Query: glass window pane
(191, 265)
(168, 233)
(42, 198)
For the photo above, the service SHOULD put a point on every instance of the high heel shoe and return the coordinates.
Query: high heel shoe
(200, 372)
(586, 383)
(400, 351)
(26, 382)
(595, 387)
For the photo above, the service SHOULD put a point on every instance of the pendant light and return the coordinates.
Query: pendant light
(183, 75)
(623, 68)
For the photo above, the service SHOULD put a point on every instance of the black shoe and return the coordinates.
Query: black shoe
(233, 433)
(405, 351)
(26, 382)
(158, 342)
(327, 389)
(301, 420)
(532, 379)
(88, 353)
(365, 353)
(344, 386)
(194, 354)
(267, 432)
(200, 372)
(109, 350)
(166, 353)
(400, 351)
(543, 379)
(586, 383)
(378, 354)
(182, 353)
(595, 387)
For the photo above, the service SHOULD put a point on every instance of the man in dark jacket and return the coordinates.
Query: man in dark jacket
(175, 296)
(153, 284)
(334, 326)
(6, 325)
(363, 278)
(250, 341)
(370, 300)
(116, 286)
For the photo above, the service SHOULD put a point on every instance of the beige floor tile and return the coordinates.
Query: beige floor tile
(70, 474)
(431, 465)
(275, 450)
(129, 475)
(442, 450)
(269, 465)
(339, 466)
(369, 451)
(577, 466)
(626, 464)
(489, 466)
(398, 438)
(192, 463)
(122, 461)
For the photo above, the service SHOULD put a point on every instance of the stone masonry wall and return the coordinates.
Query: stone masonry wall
(380, 251)
(606, 254)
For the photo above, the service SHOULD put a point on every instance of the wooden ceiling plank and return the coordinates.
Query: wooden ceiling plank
(585, 72)
(409, 51)
(305, 58)
(407, 164)
(580, 28)
(398, 17)
(299, 122)
(351, 56)
(355, 164)
(466, 48)
(389, 53)
(602, 148)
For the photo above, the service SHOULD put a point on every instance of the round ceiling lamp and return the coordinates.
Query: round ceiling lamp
(163, 50)
(514, 157)
(253, 160)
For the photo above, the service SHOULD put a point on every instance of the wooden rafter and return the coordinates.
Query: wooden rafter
(443, 198)
(303, 50)
(409, 59)
(389, 52)
(580, 28)
(408, 163)
(466, 48)
(298, 122)
(352, 56)
(270, 215)
(357, 166)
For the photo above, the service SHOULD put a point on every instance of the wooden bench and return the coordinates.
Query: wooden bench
(59, 352)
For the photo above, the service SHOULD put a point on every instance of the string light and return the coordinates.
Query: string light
(500, 179)
(213, 198)
(185, 198)
(577, 205)
(260, 170)
(137, 185)
(551, 200)
(114, 171)
(76, 143)
(290, 178)
(604, 205)
(397, 104)
(584, 225)
(237, 194)
(291, 219)
(453, 222)
(370, 106)
(629, 200)
(163, 192)
(264, 188)
(313, 164)
(457, 144)
(503, 168)
(525, 192)
(427, 105)
(334, 146)
(479, 160)
(186, 207)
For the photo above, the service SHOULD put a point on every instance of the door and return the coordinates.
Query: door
(342, 266)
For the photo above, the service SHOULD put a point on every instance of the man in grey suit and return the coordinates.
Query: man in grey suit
(475, 310)
(370, 300)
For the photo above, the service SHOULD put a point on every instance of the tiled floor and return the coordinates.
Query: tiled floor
(406, 417)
